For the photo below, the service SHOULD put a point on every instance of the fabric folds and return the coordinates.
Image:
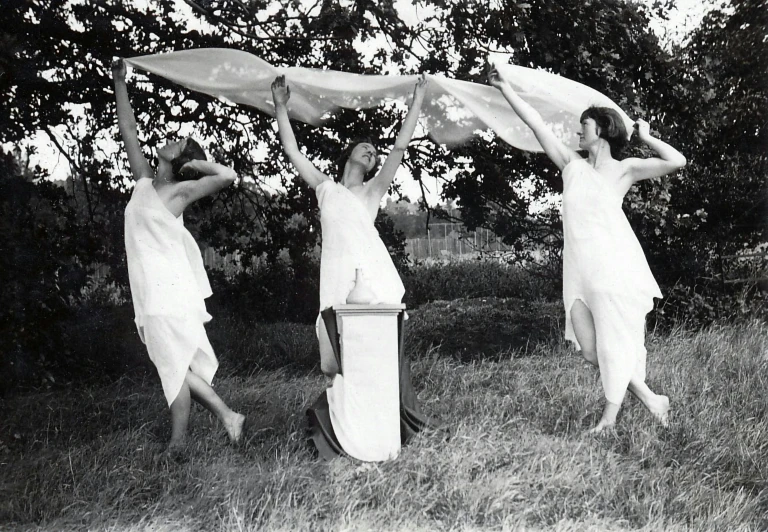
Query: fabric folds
(412, 419)
(604, 267)
(168, 287)
(453, 110)
(350, 241)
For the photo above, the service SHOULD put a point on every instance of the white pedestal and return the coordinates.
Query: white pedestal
(365, 397)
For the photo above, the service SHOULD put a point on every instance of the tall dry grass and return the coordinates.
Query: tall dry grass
(518, 458)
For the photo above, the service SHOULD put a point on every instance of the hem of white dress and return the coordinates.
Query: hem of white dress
(570, 335)
(171, 397)
(206, 368)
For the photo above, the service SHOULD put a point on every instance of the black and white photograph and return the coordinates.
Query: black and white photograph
(384, 265)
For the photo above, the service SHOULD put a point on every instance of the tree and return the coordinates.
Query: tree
(725, 61)
(719, 209)
(57, 80)
(687, 222)
(605, 44)
(40, 240)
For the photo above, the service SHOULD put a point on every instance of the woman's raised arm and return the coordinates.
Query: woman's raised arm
(215, 177)
(379, 185)
(559, 153)
(126, 122)
(281, 93)
(669, 159)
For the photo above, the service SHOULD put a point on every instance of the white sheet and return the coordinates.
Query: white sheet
(453, 110)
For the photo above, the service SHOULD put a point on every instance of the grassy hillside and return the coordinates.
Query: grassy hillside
(518, 458)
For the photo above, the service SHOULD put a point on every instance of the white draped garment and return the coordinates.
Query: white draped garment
(452, 111)
(168, 286)
(351, 241)
(605, 267)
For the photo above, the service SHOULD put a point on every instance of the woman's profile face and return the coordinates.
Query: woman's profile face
(172, 149)
(364, 154)
(588, 134)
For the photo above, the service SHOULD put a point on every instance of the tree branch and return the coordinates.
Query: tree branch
(235, 28)
(74, 166)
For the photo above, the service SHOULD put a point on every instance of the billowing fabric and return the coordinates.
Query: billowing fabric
(350, 241)
(168, 286)
(605, 267)
(452, 110)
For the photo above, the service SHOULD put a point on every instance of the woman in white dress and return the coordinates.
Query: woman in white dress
(608, 287)
(168, 281)
(348, 209)
(359, 180)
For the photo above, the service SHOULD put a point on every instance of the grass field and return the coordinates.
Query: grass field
(518, 458)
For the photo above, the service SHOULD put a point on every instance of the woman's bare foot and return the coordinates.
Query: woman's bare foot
(602, 426)
(659, 408)
(177, 452)
(608, 419)
(234, 426)
(177, 443)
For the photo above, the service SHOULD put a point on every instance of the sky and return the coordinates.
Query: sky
(685, 17)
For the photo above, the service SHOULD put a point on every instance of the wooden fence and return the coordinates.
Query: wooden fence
(453, 242)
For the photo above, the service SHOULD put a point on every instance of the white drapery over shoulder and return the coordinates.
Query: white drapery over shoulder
(453, 110)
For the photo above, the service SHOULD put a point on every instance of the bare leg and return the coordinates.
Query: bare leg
(180, 417)
(202, 392)
(657, 405)
(584, 328)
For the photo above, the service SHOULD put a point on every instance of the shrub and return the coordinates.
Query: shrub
(270, 293)
(38, 272)
(482, 328)
(475, 278)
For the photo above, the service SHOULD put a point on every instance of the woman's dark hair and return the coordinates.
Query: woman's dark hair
(611, 126)
(341, 161)
(192, 151)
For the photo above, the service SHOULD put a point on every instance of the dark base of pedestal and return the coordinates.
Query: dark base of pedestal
(321, 435)
(412, 420)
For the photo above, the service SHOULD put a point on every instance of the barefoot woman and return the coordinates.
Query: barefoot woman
(608, 287)
(168, 282)
(350, 240)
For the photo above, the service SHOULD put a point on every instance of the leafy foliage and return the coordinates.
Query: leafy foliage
(689, 222)
(58, 75)
(708, 98)
(718, 211)
(39, 270)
